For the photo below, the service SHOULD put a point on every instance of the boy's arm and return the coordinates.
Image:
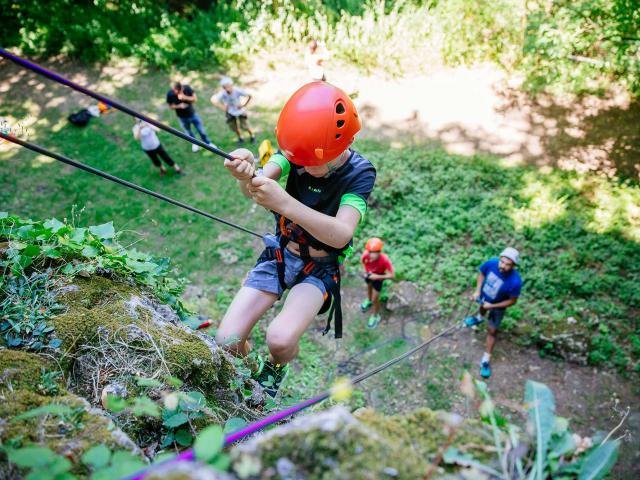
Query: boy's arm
(503, 304)
(334, 231)
(185, 97)
(479, 282)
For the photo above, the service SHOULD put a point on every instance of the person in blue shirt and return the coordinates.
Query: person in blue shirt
(497, 288)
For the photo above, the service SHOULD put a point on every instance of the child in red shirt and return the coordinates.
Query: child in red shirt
(378, 268)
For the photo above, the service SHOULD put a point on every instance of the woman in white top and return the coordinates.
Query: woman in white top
(146, 134)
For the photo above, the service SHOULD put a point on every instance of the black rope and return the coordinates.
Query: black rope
(60, 79)
(107, 176)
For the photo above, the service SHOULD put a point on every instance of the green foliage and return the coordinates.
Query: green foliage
(64, 248)
(26, 302)
(546, 450)
(582, 45)
(579, 242)
(44, 464)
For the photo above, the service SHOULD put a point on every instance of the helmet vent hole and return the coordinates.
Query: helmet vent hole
(338, 135)
(340, 123)
(340, 108)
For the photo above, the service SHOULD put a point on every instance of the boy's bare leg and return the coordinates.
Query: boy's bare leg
(242, 315)
(369, 291)
(300, 308)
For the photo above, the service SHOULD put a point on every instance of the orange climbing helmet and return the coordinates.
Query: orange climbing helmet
(374, 245)
(317, 124)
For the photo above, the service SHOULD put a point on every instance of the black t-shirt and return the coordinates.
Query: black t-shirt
(357, 177)
(172, 99)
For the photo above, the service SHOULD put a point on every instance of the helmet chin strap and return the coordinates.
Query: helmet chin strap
(336, 164)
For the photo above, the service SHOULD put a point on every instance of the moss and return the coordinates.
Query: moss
(22, 369)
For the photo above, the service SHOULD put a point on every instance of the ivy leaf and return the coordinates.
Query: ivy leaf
(90, 251)
(176, 420)
(208, 443)
(55, 343)
(32, 456)
(599, 461)
(115, 404)
(234, 424)
(54, 225)
(104, 231)
(184, 437)
(97, 456)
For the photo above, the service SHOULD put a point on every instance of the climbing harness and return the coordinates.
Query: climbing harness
(112, 178)
(326, 269)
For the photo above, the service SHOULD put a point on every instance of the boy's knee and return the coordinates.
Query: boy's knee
(280, 341)
(492, 331)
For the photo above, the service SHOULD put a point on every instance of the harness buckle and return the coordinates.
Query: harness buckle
(308, 268)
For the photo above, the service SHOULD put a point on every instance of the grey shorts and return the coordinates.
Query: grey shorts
(264, 276)
(495, 317)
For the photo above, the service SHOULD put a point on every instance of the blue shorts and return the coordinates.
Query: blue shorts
(264, 276)
(495, 317)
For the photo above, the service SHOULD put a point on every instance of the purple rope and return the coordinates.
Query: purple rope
(188, 455)
(60, 79)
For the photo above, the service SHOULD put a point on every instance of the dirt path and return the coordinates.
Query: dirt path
(591, 398)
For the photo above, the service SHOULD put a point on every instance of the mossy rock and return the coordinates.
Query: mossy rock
(338, 445)
(102, 312)
(70, 434)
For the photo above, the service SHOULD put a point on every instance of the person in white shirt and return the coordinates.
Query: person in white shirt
(231, 101)
(146, 134)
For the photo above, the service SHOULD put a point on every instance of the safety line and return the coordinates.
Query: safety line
(107, 176)
(34, 67)
(276, 417)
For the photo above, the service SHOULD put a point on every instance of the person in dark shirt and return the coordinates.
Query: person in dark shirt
(181, 99)
(498, 287)
(317, 213)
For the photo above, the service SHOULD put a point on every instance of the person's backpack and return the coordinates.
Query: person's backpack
(81, 118)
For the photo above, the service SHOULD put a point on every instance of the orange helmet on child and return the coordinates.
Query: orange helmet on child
(374, 245)
(317, 124)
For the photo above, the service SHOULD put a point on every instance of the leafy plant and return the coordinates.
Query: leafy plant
(546, 450)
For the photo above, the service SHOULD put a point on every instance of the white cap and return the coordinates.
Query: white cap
(512, 254)
(224, 81)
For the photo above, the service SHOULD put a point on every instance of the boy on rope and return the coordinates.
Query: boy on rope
(498, 287)
(230, 101)
(181, 99)
(325, 199)
(378, 268)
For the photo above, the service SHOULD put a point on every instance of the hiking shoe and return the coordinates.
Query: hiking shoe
(473, 320)
(366, 305)
(195, 148)
(485, 370)
(373, 322)
(252, 139)
(271, 376)
(240, 141)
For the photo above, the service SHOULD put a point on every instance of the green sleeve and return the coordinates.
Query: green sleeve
(355, 201)
(282, 162)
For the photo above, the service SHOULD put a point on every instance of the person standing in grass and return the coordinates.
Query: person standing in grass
(181, 99)
(230, 100)
(146, 134)
(378, 268)
(498, 287)
(325, 199)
